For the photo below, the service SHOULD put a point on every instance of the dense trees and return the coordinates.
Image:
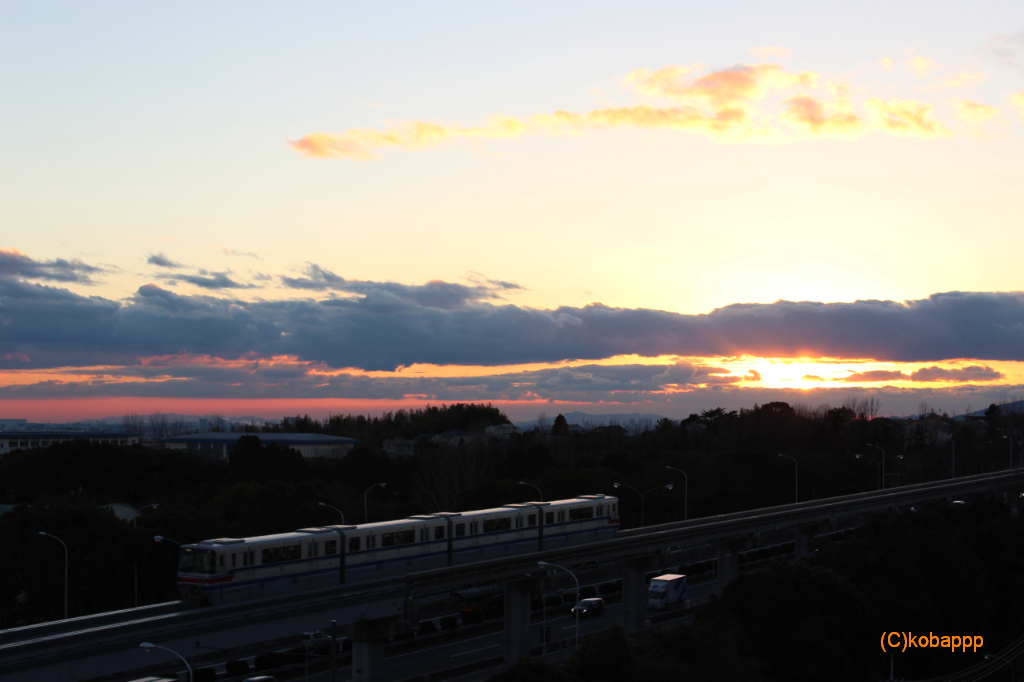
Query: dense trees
(730, 458)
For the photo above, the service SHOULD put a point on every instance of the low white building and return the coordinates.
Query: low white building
(28, 440)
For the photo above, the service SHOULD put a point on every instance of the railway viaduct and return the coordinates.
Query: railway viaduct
(106, 644)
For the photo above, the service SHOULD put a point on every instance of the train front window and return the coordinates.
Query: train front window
(197, 560)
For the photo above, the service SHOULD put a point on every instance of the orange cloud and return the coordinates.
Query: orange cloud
(885, 64)
(973, 112)
(358, 144)
(818, 118)
(741, 84)
(905, 117)
(727, 104)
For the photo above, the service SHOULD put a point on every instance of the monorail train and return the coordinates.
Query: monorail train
(241, 569)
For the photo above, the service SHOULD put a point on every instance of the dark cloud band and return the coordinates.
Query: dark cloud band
(386, 325)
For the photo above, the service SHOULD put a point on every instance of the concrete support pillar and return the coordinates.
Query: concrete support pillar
(634, 595)
(803, 540)
(368, 638)
(516, 638)
(368, 661)
(726, 565)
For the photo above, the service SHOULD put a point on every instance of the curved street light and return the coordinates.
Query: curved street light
(135, 524)
(324, 504)
(643, 496)
(544, 563)
(796, 477)
(868, 459)
(1009, 435)
(539, 491)
(65, 570)
(879, 447)
(366, 505)
(686, 493)
(147, 646)
(161, 538)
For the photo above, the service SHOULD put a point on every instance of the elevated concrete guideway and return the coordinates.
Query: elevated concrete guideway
(111, 647)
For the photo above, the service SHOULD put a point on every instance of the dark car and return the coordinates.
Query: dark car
(588, 608)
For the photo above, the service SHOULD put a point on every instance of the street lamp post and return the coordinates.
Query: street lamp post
(65, 570)
(324, 504)
(796, 477)
(539, 491)
(366, 505)
(1009, 434)
(643, 496)
(136, 525)
(544, 563)
(686, 493)
(872, 445)
(868, 459)
(147, 646)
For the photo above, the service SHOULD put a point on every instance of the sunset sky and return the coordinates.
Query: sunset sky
(257, 208)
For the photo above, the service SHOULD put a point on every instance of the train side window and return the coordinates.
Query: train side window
(495, 525)
(220, 560)
(531, 520)
(353, 544)
(424, 534)
(330, 547)
(519, 522)
(371, 541)
(399, 537)
(580, 513)
(234, 557)
(474, 527)
(314, 549)
(439, 532)
(549, 518)
(460, 530)
(561, 515)
(614, 507)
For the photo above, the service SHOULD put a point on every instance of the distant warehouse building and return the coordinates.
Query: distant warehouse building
(28, 440)
(219, 444)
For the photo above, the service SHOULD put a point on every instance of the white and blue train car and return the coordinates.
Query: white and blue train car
(242, 569)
